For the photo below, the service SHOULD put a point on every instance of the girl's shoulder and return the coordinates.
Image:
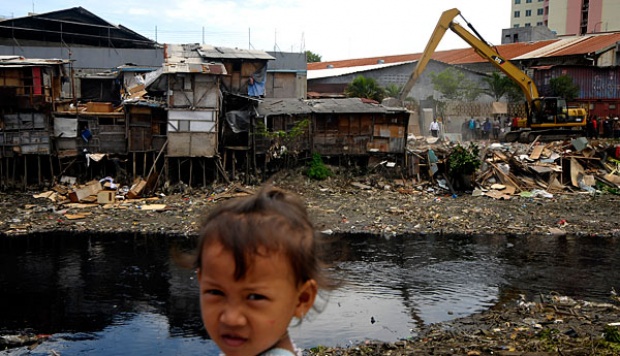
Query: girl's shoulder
(279, 352)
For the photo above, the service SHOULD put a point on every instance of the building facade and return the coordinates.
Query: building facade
(567, 17)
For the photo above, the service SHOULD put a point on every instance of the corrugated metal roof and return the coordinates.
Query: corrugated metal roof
(550, 49)
(345, 106)
(287, 62)
(271, 106)
(17, 61)
(322, 106)
(212, 52)
(335, 72)
(521, 50)
(184, 58)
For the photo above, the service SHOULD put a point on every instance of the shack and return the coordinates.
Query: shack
(189, 85)
(353, 127)
(30, 89)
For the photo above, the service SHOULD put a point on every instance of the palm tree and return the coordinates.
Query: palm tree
(498, 85)
(392, 90)
(362, 87)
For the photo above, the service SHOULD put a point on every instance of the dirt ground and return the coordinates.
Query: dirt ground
(373, 204)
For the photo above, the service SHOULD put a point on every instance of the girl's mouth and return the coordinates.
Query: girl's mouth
(233, 340)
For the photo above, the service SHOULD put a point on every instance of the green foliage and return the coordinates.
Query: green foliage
(453, 85)
(318, 170)
(564, 87)
(514, 92)
(392, 90)
(464, 160)
(297, 130)
(312, 57)
(612, 334)
(606, 188)
(362, 87)
(497, 85)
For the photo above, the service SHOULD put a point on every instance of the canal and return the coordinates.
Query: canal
(122, 294)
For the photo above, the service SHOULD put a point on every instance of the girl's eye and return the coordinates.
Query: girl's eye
(254, 296)
(214, 292)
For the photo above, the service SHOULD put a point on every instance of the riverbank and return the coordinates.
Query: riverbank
(338, 204)
(378, 206)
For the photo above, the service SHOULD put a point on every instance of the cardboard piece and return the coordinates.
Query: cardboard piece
(136, 189)
(106, 196)
(80, 194)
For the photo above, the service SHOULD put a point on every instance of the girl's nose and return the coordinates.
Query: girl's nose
(233, 316)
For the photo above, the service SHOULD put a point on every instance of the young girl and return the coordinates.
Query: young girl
(258, 267)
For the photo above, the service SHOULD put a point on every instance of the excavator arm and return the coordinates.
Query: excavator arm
(479, 45)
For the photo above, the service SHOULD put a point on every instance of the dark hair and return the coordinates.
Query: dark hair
(272, 220)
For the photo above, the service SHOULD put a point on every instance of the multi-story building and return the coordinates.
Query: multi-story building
(567, 17)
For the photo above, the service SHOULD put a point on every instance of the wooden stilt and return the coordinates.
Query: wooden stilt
(191, 171)
(204, 172)
(178, 169)
(166, 171)
(247, 167)
(25, 178)
(39, 173)
(53, 181)
(234, 163)
(144, 166)
(134, 165)
(13, 172)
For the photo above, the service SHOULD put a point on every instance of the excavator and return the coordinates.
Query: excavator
(548, 118)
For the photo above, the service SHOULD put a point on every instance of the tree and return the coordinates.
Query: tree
(362, 87)
(392, 90)
(497, 85)
(453, 85)
(312, 57)
(564, 87)
(514, 92)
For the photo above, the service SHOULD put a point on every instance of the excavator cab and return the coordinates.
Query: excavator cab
(548, 110)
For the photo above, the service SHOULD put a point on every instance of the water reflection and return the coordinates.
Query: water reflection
(115, 294)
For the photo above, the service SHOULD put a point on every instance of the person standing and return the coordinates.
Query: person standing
(515, 124)
(434, 129)
(496, 127)
(486, 128)
(472, 128)
(595, 127)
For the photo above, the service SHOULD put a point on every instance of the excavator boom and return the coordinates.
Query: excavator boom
(549, 116)
(446, 21)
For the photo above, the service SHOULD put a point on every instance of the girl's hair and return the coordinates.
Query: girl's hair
(272, 220)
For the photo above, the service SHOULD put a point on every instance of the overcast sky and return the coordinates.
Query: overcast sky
(334, 29)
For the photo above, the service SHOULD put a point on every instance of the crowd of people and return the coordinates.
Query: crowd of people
(489, 129)
(603, 127)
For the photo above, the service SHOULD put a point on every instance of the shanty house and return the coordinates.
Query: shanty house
(76, 34)
(29, 92)
(287, 76)
(337, 127)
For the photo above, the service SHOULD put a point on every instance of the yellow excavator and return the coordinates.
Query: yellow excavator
(547, 117)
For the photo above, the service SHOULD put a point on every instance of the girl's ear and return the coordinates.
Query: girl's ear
(305, 298)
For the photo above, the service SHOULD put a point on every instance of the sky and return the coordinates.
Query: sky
(333, 29)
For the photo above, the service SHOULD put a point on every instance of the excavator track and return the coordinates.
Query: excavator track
(529, 136)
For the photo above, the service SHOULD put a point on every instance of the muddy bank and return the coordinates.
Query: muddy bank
(552, 325)
(373, 205)
(338, 204)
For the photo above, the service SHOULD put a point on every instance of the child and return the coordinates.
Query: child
(258, 267)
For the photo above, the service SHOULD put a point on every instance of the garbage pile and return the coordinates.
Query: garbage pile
(531, 170)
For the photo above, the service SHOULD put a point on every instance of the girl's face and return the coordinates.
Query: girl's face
(250, 315)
